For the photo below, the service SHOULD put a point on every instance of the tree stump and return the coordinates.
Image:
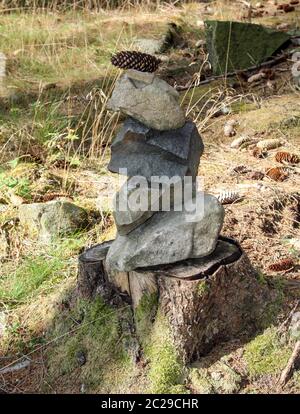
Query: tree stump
(92, 278)
(206, 301)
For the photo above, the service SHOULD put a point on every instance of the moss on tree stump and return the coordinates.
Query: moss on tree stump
(205, 301)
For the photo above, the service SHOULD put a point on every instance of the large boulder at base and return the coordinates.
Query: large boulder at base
(168, 237)
(148, 152)
(235, 45)
(148, 99)
(53, 219)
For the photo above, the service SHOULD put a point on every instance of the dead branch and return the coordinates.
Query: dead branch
(269, 63)
(291, 365)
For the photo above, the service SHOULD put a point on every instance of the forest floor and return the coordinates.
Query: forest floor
(55, 135)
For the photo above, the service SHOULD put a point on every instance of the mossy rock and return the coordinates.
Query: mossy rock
(51, 220)
(236, 46)
(200, 381)
(219, 378)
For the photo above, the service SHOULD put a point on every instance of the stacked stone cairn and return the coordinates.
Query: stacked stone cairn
(168, 258)
(159, 151)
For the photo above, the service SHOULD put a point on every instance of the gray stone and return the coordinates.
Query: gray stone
(81, 358)
(47, 221)
(138, 200)
(294, 328)
(168, 237)
(126, 217)
(150, 46)
(147, 99)
(236, 46)
(147, 152)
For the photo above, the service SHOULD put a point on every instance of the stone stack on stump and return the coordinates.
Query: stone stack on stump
(169, 261)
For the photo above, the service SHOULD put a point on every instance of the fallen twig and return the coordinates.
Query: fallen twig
(266, 64)
(292, 284)
(16, 367)
(289, 369)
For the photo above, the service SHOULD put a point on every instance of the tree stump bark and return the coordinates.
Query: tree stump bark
(206, 301)
(92, 278)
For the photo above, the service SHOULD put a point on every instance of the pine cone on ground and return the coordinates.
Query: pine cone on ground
(236, 143)
(259, 153)
(228, 197)
(269, 144)
(135, 60)
(277, 173)
(282, 265)
(240, 169)
(256, 175)
(286, 157)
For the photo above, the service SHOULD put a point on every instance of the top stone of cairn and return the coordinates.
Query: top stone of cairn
(148, 99)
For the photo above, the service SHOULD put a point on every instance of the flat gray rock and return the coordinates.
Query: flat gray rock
(147, 99)
(169, 237)
(47, 221)
(147, 152)
(237, 45)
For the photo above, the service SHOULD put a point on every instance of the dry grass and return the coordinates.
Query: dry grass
(87, 5)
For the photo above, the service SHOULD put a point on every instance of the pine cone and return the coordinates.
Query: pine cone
(282, 265)
(259, 153)
(286, 157)
(256, 175)
(228, 197)
(277, 173)
(236, 143)
(135, 60)
(240, 169)
(269, 144)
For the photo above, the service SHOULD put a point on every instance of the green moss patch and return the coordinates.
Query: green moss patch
(242, 106)
(266, 354)
(203, 287)
(93, 347)
(144, 316)
(166, 367)
(201, 382)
